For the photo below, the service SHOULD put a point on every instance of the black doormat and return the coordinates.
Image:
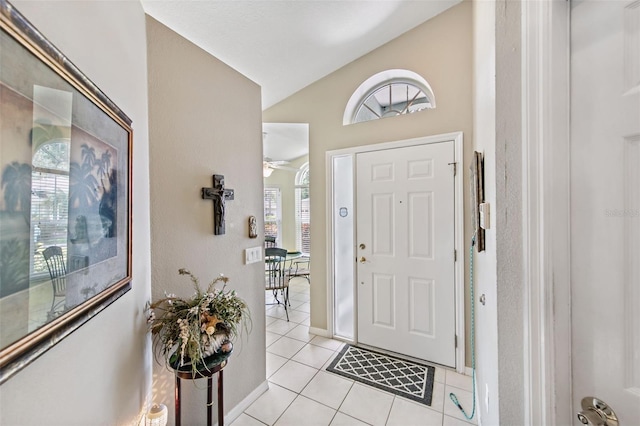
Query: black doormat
(404, 378)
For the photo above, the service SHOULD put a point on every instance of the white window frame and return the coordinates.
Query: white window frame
(278, 220)
(375, 82)
(299, 186)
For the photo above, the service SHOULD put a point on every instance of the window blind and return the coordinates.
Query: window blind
(49, 214)
(272, 214)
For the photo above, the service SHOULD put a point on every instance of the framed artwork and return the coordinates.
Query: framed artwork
(65, 195)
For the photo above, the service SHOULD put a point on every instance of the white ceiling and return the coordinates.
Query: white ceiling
(285, 141)
(285, 45)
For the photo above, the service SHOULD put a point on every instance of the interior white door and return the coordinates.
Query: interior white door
(405, 253)
(605, 205)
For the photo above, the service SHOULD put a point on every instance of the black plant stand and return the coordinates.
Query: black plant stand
(213, 364)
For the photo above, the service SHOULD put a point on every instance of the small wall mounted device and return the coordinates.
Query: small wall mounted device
(485, 218)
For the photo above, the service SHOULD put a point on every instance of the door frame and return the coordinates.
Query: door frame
(546, 211)
(459, 265)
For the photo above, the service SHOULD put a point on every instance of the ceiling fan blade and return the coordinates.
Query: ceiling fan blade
(270, 161)
(280, 167)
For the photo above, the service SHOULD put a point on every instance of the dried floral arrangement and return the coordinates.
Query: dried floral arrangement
(186, 331)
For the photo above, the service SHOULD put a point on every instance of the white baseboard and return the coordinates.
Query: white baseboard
(245, 403)
(320, 332)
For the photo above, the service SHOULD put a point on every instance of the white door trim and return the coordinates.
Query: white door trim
(545, 192)
(457, 138)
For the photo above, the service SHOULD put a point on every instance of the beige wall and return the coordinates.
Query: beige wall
(440, 51)
(286, 181)
(101, 373)
(204, 118)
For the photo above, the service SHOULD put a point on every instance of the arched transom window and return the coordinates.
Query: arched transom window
(388, 94)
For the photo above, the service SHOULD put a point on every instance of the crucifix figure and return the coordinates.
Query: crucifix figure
(220, 195)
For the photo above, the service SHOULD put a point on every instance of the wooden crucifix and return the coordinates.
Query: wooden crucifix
(220, 195)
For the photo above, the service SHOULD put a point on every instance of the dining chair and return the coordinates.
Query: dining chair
(277, 276)
(301, 267)
(269, 241)
(54, 259)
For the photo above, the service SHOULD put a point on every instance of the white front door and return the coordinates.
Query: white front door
(405, 252)
(605, 205)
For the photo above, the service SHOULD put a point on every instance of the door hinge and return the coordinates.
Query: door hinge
(455, 167)
(455, 255)
(455, 338)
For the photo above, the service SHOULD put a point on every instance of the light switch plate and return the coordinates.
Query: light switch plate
(253, 255)
(485, 218)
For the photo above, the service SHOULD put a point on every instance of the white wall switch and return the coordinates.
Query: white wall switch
(485, 218)
(253, 255)
(258, 253)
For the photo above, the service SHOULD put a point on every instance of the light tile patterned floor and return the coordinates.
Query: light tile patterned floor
(301, 391)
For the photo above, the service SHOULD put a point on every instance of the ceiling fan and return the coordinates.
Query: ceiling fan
(268, 165)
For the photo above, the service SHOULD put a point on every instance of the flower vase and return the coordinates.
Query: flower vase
(204, 367)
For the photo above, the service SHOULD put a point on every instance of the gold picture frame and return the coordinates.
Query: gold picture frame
(65, 195)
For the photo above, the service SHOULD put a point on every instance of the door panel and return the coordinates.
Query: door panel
(605, 208)
(421, 307)
(405, 220)
(384, 301)
(421, 225)
(383, 219)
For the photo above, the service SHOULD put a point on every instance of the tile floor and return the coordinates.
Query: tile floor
(301, 392)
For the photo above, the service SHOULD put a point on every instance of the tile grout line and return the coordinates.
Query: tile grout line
(318, 370)
(258, 420)
(321, 368)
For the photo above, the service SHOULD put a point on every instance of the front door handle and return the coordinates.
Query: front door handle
(597, 413)
(362, 259)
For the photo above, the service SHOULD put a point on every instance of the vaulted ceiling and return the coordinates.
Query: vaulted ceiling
(285, 45)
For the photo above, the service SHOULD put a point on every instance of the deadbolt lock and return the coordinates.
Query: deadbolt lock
(362, 246)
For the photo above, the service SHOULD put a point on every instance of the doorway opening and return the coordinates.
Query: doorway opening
(286, 185)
